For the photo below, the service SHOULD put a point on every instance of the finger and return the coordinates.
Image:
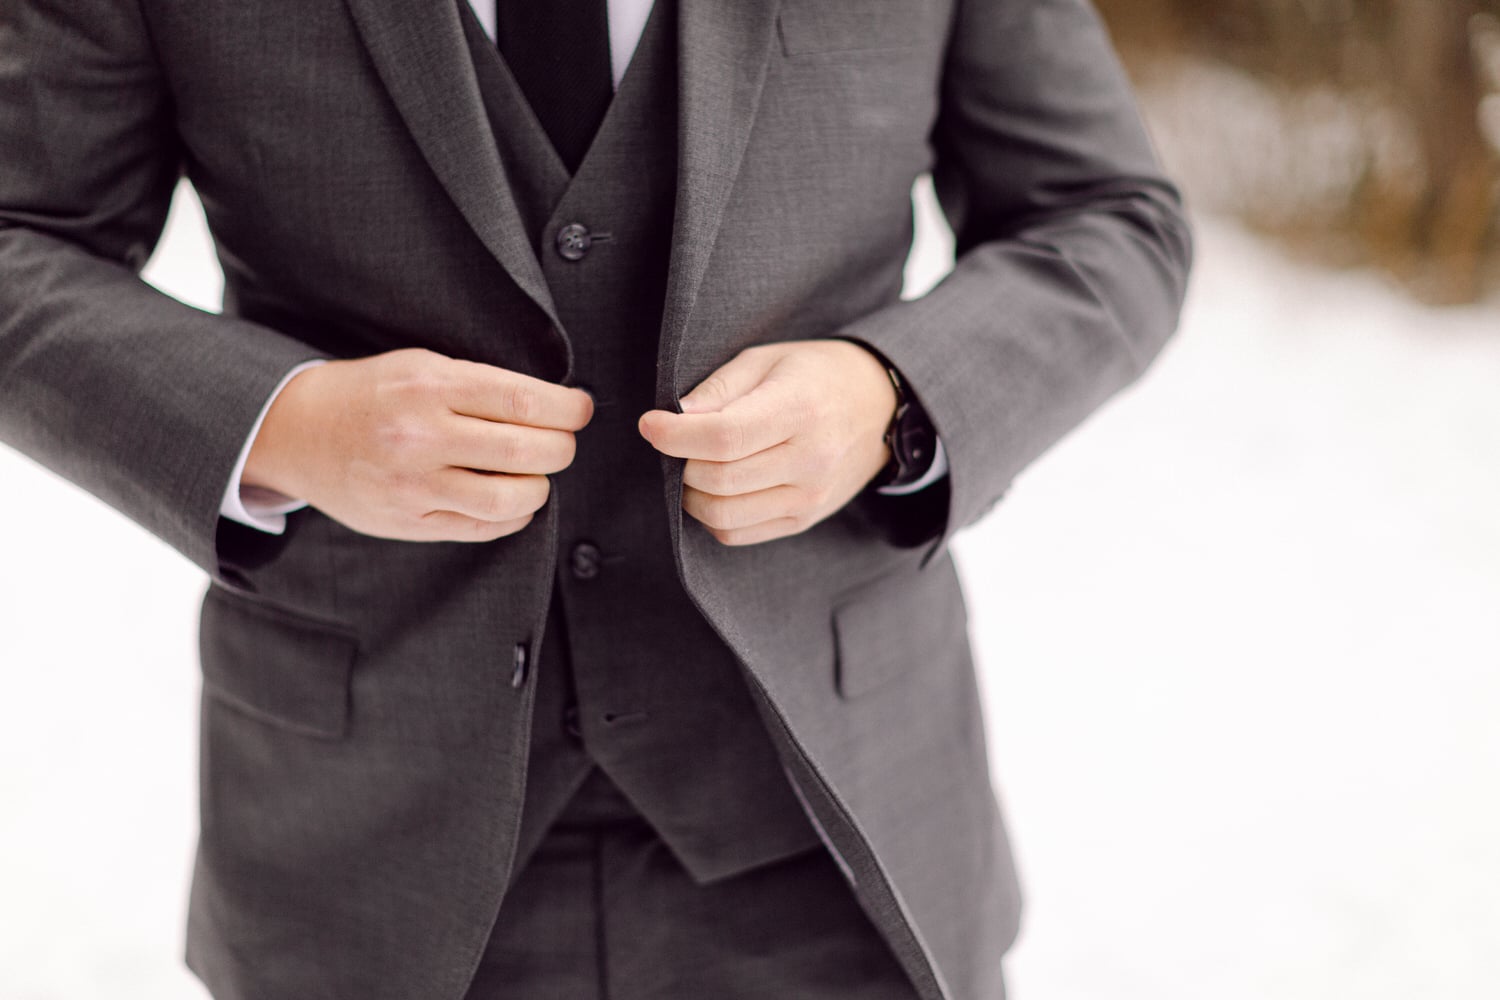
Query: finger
(729, 382)
(488, 496)
(780, 527)
(499, 394)
(450, 526)
(768, 416)
(489, 446)
(746, 510)
(778, 465)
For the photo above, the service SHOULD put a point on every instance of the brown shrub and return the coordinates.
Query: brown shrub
(1429, 70)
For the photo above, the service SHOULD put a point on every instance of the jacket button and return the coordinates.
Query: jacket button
(518, 666)
(573, 241)
(585, 560)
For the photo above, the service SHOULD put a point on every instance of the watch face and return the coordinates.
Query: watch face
(914, 442)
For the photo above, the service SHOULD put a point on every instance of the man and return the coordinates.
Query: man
(489, 717)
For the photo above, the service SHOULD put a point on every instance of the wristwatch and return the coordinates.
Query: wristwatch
(910, 436)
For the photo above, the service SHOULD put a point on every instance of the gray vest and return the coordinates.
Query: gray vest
(633, 684)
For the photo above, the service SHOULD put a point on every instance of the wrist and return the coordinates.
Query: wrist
(909, 439)
(274, 460)
(879, 378)
(885, 397)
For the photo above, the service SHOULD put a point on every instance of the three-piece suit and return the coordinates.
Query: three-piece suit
(388, 728)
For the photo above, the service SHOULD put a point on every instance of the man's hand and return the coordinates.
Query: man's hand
(415, 446)
(778, 438)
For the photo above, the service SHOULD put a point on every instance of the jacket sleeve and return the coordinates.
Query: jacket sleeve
(1072, 246)
(137, 398)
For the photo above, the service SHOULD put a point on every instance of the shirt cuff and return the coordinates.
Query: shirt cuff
(256, 506)
(937, 470)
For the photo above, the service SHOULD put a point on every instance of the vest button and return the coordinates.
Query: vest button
(585, 561)
(573, 241)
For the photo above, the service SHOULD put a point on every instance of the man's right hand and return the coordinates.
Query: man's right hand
(416, 446)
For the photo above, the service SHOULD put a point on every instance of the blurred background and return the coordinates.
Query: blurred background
(1358, 132)
(1238, 636)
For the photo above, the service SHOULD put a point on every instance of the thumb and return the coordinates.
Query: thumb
(729, 382)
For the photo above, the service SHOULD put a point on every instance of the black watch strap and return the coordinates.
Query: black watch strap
(910, 436)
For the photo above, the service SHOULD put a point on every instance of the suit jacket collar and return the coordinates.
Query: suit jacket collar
(421, 56)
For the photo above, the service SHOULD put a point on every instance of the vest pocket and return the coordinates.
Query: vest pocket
(276, 665)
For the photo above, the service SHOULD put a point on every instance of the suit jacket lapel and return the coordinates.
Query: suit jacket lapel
(723, 50)
(421, 55)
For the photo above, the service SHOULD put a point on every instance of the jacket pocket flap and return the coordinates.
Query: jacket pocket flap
(275, 665)
(895, 625)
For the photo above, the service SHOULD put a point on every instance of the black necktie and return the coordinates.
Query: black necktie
(558, 51)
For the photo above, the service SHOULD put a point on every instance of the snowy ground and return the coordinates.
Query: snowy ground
(1239, 638)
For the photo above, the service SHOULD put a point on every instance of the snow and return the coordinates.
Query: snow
(1237, 636)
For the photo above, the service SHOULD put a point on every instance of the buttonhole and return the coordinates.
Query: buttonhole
(613, 718)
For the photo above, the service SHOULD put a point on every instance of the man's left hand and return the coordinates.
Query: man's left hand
(779, 438)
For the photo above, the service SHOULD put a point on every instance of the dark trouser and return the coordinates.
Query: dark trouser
(603, 911)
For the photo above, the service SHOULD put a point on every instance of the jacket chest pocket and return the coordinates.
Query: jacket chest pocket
(276, 666)
(825, 27)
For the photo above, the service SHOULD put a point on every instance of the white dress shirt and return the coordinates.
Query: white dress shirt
(266, 509)
(627, 18)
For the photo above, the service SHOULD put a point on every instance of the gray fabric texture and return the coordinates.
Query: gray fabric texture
(662, 705)
(603, 911)
(358, 830)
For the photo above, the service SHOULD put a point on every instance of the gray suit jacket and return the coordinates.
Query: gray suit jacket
(363, 745)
